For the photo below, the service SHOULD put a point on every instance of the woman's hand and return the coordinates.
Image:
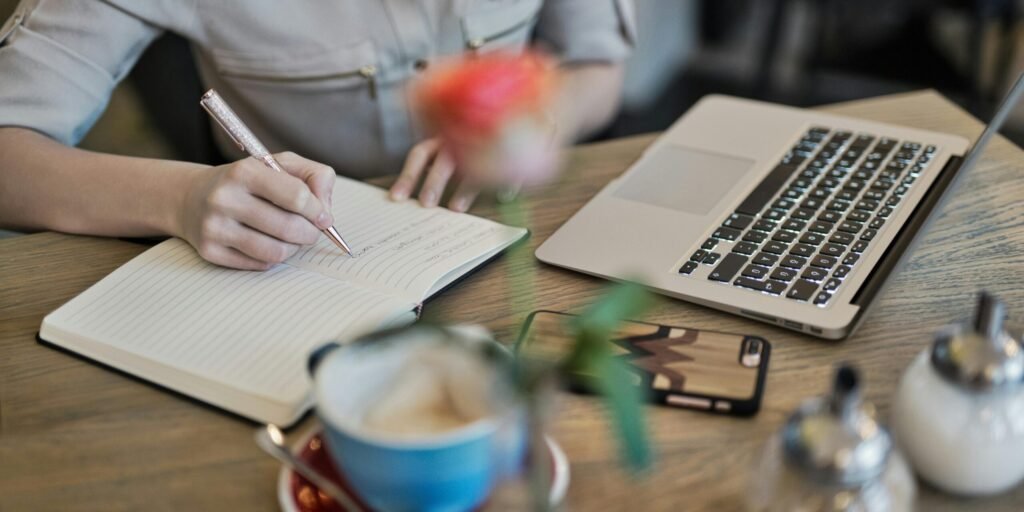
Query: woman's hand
(430, 158)
(245, 215)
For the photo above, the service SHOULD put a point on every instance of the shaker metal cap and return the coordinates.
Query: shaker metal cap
(981, 356)
(835, 440)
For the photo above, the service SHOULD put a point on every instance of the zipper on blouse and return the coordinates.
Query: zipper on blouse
(478, 42)
(368, 72)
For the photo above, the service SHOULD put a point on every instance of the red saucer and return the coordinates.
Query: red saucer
(296, 494)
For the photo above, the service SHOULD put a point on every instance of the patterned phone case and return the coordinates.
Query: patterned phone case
(706, 370)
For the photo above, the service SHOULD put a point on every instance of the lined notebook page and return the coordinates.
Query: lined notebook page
(248, 330)
(401, 247)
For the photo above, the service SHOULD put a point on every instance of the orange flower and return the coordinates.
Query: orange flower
(491, 112)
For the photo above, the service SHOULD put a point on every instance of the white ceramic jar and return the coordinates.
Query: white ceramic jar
(958, 413)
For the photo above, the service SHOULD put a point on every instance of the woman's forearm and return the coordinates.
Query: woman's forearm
(588, 99)
(45, 185)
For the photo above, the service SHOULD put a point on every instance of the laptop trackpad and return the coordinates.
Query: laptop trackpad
(684, 179)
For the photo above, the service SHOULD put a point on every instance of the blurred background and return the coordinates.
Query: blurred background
(799, 52)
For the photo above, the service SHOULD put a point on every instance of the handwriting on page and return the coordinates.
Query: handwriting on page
(399, 246)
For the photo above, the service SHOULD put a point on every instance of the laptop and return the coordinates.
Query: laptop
(788, 216)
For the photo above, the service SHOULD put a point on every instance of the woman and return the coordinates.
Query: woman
(323, 79)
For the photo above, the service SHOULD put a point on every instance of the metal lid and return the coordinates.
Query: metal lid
(835, 440)
(981, 356)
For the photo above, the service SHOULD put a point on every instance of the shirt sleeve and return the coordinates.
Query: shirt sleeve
(587, 30)
(60, 61)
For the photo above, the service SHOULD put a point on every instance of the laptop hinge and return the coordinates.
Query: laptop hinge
(908, 235)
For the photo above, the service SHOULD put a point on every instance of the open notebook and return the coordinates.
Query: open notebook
(239, 340)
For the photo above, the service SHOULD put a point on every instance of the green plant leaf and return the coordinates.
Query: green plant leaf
(592, 358)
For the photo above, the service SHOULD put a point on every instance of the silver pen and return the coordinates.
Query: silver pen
(247, 141)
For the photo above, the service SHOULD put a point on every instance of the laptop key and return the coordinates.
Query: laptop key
(846, 195)
(709, 244)
(802, 214)
(794, 225)
(765, 191)
(688, 267)
(841, 271)
(738, 221)
(774, 247)
(876, 223)
(783, 204)
(832, 284)
(802, 250)
(699, 255)
(833, 250)
(874, 195)
(820, 193)
(851, 258)
(829, 216)
(850, 227)
(812, 238)
(811, 204)
(825, 262)
(893, 200)
(822, 298)
(868, 235)
(763, 225)
(821, 227)
(842, 238)
(859, 247)
(858, 216)
(730, 265)
(868, 205)
(795, 262)
(814, 274)
(755, 271)
(784, 236)
(724, 233)
(746, 248)
(775, 215)
(885, 211)
(747, 282)
(774, 287)
(711, 258)
(765, 259)
(802, 290)
(755, 237)
(783, 274)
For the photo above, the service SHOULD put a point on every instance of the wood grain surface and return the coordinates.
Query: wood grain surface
(76, 436)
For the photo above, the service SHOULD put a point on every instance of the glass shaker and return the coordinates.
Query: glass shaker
(832, 455)
(959, 410)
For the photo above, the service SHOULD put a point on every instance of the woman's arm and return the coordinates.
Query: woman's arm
(240, 214)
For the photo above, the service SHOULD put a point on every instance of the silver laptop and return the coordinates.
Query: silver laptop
(783, 215)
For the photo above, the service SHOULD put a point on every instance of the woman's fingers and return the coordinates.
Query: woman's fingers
(289, 193)
(232, 258)
(318, 177)
(464, 196)
(256, 245)
(437, 179)
(268, 218)
(419, 158)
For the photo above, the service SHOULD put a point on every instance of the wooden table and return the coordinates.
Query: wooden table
(74, 436)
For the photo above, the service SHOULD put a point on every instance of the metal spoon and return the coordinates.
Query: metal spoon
(271, 440)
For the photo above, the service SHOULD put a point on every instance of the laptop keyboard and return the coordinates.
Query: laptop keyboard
(806, 225)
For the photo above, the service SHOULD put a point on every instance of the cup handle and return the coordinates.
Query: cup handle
(317, 356)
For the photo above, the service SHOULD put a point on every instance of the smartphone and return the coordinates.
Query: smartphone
(706, 370)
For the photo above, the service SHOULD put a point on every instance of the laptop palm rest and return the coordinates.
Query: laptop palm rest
(684, 179)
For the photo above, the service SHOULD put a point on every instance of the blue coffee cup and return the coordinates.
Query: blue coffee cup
(394, 467)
